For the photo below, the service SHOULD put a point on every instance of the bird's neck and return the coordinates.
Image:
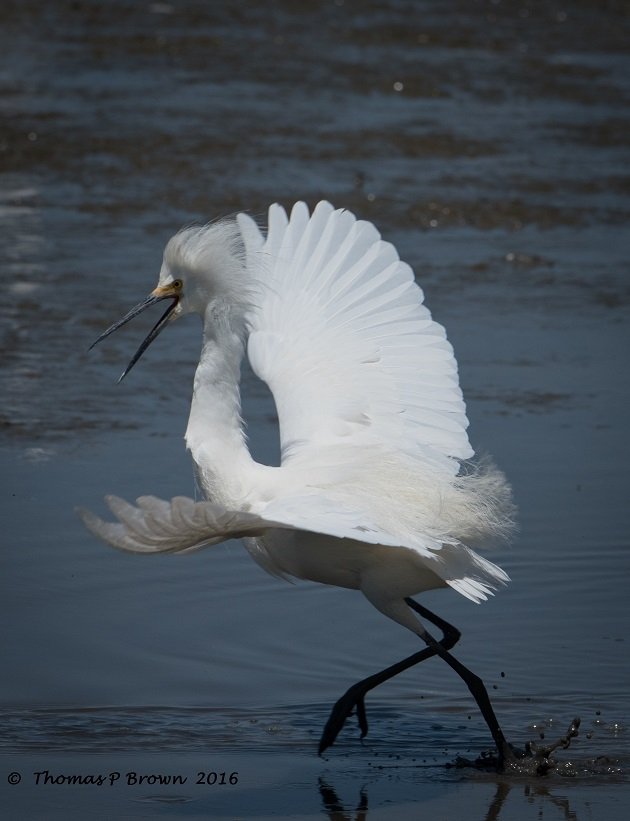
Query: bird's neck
(215, 435)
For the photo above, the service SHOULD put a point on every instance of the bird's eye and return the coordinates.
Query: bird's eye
(177, 284)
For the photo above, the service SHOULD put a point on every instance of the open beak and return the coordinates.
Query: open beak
(160, 293)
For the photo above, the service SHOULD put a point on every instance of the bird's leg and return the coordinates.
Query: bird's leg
(354, 697)
(450, 635)
(479, 693)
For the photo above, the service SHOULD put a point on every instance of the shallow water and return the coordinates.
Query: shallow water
(489, 142)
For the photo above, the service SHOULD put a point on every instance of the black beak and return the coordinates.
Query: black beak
(153, 333)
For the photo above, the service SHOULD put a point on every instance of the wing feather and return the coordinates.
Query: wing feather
(343, 339)
(182, 526)
(157, 526)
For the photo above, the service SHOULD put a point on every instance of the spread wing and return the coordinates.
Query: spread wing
(182, 526)
(342, 337)
(157, 526)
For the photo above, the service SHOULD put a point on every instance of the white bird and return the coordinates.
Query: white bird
(375, 491)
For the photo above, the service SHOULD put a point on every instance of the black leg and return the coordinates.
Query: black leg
(479, 693)
(451, 635)
(354, 697)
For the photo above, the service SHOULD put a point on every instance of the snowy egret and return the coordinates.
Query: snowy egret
(376, 490)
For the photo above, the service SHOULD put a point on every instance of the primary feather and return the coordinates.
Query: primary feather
(343, 340)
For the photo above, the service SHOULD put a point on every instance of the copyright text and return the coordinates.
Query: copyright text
(47, 778)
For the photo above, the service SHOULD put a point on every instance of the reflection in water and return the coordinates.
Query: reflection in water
(498, 800)
(496, 810)
(336, 810)
(533, 791)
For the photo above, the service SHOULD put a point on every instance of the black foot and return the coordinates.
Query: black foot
(351, 700)
(542, 755)
(533, 760)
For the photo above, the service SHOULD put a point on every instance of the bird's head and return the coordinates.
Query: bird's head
(203, 271)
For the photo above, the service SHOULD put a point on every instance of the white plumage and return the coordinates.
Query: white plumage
(375, 491)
